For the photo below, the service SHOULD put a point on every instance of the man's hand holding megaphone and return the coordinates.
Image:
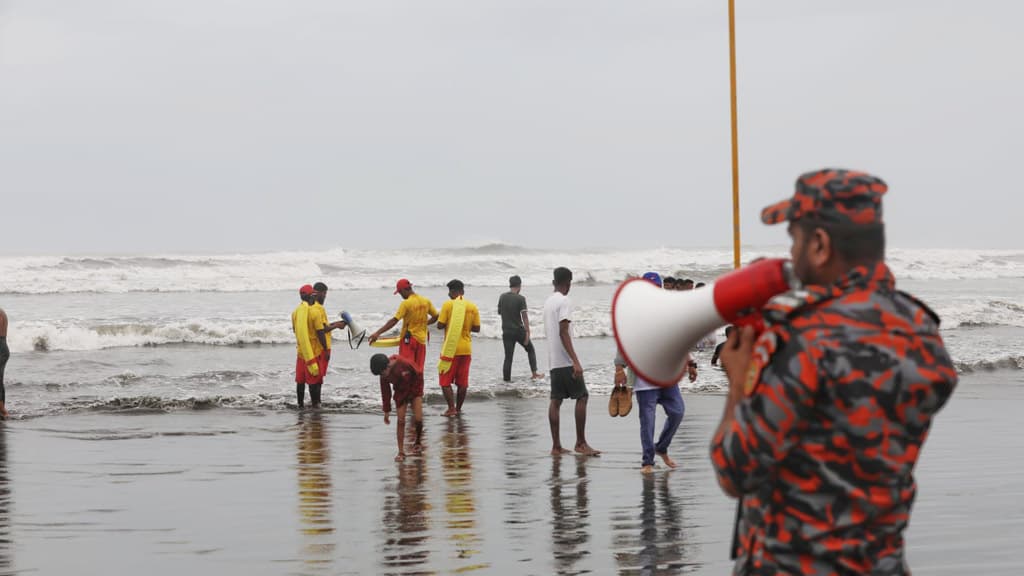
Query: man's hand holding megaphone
(735, 359)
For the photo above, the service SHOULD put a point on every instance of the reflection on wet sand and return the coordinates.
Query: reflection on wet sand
(520, 462)
(6, 562)
(458, 499)
(649, 538)
(570, 514)
(314, 491)
(406, 523)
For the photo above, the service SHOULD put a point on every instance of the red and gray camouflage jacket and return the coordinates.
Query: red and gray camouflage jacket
(843, 386)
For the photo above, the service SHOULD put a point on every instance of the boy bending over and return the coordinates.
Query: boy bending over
(401, 380)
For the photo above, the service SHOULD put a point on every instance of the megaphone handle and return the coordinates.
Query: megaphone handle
(754, 319)
(734, 549)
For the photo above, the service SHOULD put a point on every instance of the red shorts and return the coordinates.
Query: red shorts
(300, 370)
(414, 352)
(302, 375)
(458, 374)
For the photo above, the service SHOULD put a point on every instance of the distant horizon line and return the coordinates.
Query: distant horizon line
(502, 246)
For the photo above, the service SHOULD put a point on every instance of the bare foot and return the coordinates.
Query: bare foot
(449, 413)
(3, 412)
(400, 457)
(648, 469)
(417, 449)
(559, 451)
(668, 461)
(586, 450)
(537, 376)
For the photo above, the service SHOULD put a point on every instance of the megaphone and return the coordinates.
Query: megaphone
(356, 335)
(655, 328)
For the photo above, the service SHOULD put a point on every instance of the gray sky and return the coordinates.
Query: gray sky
(238, 125)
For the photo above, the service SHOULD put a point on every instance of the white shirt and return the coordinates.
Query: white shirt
(635, 382)
(706, 343)
(557, 307)
(640, 385)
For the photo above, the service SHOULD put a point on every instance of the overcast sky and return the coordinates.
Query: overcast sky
(250, 125)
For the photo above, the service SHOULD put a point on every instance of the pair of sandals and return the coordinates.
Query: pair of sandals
(621, 401)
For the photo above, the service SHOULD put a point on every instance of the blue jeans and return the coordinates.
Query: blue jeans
(671, 401)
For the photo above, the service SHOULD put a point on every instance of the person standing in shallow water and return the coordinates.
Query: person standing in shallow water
(566, 370)
(5, 355)
(322, 327)
(416, 313)
(307, 363)
(459, 318)
(515, 328)
(648, 397)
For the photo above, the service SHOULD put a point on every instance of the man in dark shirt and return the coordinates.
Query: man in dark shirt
(515, 328)
(718, 349)
(401, 380)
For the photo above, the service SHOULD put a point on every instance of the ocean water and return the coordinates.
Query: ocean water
(154, 427)
(172, 332)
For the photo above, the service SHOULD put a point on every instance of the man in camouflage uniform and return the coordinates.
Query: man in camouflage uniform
(828, 408)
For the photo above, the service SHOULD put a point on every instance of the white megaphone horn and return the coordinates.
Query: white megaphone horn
(655, 328)
(356, 335)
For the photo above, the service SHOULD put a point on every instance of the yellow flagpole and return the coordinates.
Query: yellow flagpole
(735, 143)
(734, 548)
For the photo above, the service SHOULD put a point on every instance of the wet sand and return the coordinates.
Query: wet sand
(275, 492)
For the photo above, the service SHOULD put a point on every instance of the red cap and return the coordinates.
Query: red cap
(306, 290)
(402, 285)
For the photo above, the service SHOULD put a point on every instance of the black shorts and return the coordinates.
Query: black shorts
(564, 385)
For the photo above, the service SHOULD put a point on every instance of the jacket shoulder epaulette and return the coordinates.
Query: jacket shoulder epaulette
(786, 306)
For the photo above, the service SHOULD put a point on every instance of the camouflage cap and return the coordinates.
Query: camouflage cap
(831, 195)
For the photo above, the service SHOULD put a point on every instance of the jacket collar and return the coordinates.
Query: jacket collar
(875, 277)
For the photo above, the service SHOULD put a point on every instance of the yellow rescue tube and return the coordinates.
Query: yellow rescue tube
(386, 342)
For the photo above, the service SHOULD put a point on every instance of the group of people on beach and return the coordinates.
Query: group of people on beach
(829, 404)
(402, 374)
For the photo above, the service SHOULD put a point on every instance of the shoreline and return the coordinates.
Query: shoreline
(266, 492)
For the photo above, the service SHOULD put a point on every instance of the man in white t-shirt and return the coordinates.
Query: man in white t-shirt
(565, 367)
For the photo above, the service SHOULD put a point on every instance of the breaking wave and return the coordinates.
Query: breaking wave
(1013, 362)
(486, 265)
